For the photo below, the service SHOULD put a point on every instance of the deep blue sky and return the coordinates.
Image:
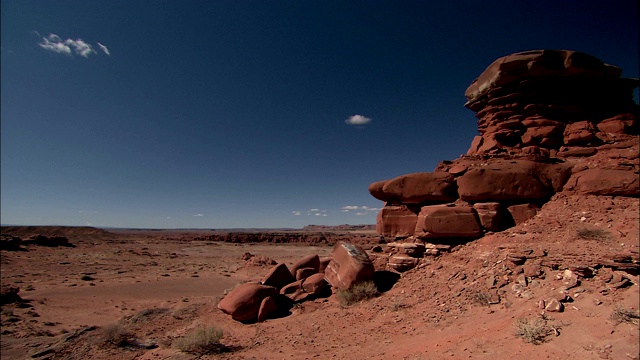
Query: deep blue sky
(221, 114)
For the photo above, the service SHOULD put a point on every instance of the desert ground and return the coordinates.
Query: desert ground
(467, 303)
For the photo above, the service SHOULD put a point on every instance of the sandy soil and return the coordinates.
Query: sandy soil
(161, 286)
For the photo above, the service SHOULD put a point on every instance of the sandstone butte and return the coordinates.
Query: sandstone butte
(550, 122)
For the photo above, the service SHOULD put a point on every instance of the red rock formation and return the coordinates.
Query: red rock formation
(550, 121)
(549, 98)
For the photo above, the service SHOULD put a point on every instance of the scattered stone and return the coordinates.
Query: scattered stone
(403, 262)
(554, 305)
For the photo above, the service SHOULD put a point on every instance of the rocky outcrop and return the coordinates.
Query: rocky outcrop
(308, 278)
(549, 99)
(550, 121)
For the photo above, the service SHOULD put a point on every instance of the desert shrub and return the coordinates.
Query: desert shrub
(397, 306)
(481, 298)
(622, 315)
(116, 334)
(201, 341)
(146, 314)
(532, 331)
(358, 292)
(592, 233)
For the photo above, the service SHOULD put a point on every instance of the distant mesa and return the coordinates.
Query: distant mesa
(550, 121)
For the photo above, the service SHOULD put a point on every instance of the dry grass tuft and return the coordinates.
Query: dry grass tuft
(358, 292)
(532, 331)
(593, 234)
(148, 314)
(622, 315)
(116, 334)
(201, 341)
(481, 298)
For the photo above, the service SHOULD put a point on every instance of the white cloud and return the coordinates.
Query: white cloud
(312, 210)
(79, 47)
(55, 44)
(198, 215)
(358, 120)
(296, 213)
(350, 207)
(104, 49)
(362, 213)
(370, 208)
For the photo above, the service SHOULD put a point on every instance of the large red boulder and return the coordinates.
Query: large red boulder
(396, 221)
(490, 215)
(314, 284)
(605, 182)
(522, 212)
(418, 188)
(349, 265)
(267, 307)
(278, 277)
(311, 261)
(243, 303)
(512, 180)
(581, 132)
(514, 68)
(376, 191)
(442, 221)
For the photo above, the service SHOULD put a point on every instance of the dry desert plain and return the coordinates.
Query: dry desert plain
(468, 303)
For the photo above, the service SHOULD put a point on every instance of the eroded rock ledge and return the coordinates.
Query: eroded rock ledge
(550, 121)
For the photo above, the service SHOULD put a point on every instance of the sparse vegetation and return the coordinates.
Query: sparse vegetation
(201, 341)
(481, 298)
(146, 314)
(358, 292)
(398, 305)
(534, 331)
(116, 334)
(622, 315)
(592, 233)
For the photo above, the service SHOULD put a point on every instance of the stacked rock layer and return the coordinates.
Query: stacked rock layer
(550, 121)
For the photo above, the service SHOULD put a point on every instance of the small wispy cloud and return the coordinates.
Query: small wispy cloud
(350, 207)
(357, 120)
(104, 49)
(310, 212)
(354, 207)
(70, 47)
(198, 215)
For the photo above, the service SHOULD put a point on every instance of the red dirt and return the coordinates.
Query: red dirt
(435, 311)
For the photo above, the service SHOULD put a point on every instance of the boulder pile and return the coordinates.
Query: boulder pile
(550, 121)
(309, 278)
